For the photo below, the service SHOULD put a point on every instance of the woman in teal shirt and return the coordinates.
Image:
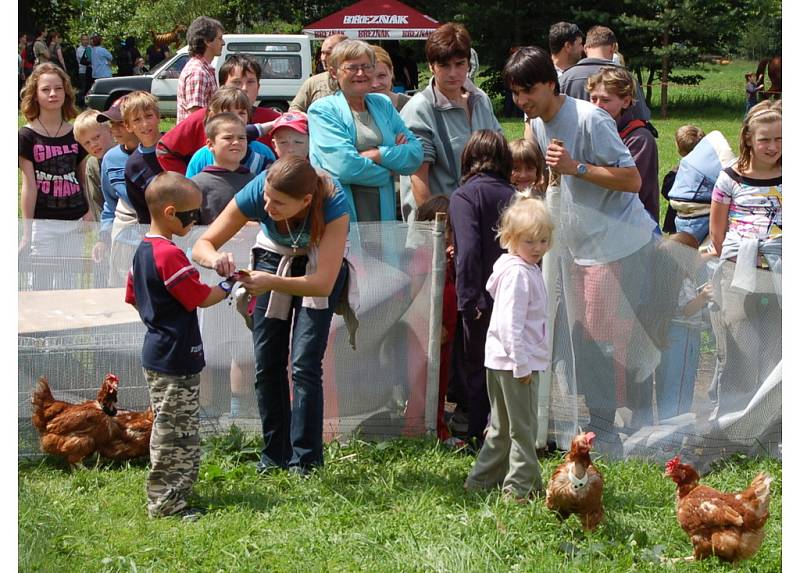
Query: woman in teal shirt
(303, 229)
(359, 138)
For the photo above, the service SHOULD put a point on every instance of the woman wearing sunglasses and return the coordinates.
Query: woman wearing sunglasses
(359, 138)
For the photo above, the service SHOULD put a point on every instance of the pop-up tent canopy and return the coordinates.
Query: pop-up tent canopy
(375, 20)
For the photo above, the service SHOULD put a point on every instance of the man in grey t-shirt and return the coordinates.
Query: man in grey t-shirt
(609, 235)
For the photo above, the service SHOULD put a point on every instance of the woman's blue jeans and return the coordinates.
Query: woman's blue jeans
(292, 430)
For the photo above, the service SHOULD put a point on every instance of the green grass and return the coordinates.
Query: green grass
(390, 506)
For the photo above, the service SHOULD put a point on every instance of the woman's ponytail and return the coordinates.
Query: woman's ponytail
(322, 190)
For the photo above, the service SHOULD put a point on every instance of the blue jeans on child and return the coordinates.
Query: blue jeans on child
(675, 375)
(292, 430)
(697, 227)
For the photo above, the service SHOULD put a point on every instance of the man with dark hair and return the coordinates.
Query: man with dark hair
(566, 45)
(318, 85)
(198, 82)
(607, 232)
(599, 47)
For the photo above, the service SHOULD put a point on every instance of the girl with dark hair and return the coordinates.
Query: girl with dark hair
(298, 278)
(475, 209)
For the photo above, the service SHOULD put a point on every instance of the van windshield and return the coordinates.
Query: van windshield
(278, 66)
(257, 47)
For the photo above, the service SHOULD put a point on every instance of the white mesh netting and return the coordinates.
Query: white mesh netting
(650, 381)
(74, 329)
(648, 386)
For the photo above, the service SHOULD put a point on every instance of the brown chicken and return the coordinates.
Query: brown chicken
(728, 525)
(74, 431)
(576, 486)
(130, 437)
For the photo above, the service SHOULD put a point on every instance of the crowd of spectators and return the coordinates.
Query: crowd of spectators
(307, 178)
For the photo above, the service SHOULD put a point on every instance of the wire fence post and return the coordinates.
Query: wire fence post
(438, 265)
(551, 267)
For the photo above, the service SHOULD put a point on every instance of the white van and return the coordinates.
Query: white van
(285, 61)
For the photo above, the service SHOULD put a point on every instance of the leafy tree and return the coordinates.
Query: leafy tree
(124, 18)
(760, 34)
(659, 35)
(656, 36)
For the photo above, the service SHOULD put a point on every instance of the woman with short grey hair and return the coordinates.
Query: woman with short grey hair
(358, 136)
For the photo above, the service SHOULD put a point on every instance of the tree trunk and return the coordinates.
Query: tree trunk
(651, 73)
(664, 74)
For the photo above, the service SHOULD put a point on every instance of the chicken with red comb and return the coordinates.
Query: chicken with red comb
(76, 431)
(729, 526)
(576, 485)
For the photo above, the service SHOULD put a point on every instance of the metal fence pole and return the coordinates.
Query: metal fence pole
(438, 265)
(551, 267)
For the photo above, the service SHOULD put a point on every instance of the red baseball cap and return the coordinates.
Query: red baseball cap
(296, 120)
(114, 113)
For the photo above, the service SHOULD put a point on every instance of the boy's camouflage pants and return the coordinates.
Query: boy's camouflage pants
(174, 441)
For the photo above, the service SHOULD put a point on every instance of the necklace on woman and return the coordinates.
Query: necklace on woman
(296, 240)
(48, 131)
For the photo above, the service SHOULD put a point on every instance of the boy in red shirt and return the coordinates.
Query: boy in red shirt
(177, 146)
(166, 290)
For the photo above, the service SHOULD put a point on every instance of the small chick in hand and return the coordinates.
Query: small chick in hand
(576, 486)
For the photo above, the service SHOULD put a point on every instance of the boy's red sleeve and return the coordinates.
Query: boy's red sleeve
(181, 278)
(130, 295)
(168, 160)
(175, 148)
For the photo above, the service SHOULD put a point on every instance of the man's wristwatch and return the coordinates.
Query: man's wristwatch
(581, 170)
(226, 285)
